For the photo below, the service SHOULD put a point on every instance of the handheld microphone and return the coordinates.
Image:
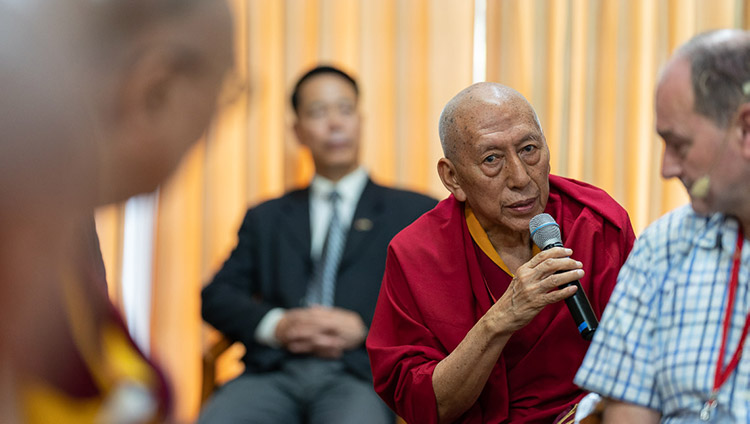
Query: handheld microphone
(546, 234)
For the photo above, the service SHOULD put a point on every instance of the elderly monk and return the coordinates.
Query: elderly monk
(469, 326)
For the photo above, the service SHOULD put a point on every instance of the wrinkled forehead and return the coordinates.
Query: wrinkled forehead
(480, 115)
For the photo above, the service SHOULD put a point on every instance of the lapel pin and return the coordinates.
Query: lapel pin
(363, 224)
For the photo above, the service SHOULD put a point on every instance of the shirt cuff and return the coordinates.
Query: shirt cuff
(265, 333)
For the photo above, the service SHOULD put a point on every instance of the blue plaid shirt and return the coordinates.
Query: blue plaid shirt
(660, 335)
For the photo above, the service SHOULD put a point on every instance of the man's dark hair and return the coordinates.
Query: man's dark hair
(320, 70)
(720, 73)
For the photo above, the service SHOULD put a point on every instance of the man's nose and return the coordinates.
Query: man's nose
(518, 175)
(670, 165)
(335, 119)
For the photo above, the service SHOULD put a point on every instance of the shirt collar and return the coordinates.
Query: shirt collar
(350, 187)
(717, 230)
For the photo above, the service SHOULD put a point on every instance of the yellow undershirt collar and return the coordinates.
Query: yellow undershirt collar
(483, 241)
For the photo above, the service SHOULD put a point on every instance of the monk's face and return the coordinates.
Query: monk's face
(502, 165)
(156, 108)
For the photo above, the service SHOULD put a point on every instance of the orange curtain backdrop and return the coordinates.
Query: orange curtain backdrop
(588, 67)
(410, 58)
(109, 221)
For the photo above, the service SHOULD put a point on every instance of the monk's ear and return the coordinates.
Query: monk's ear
(448, 175)
(143, 90)
(166, 97)
(744, 123)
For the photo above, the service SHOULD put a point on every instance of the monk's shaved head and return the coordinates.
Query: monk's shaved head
(462, 115)
(496, 156)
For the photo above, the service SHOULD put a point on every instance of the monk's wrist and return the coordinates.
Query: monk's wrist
(497, 327)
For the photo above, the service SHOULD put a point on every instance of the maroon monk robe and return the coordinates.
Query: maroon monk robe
(434, 292)
(60, 363)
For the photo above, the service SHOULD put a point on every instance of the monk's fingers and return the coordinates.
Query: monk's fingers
(554, 265)
(527, 274)
(526, 296)
(556, 280)
(557, 295)
(532, 295)
(555, 252)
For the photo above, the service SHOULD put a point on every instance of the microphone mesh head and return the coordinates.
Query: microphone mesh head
(544, 230)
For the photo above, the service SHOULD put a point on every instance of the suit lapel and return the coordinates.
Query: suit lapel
(367, 217)
(295, 222)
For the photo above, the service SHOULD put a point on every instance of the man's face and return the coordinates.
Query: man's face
(502, 166)
(692, 142)
(328, 123)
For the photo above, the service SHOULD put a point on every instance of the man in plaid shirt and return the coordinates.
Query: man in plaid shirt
(669, 347)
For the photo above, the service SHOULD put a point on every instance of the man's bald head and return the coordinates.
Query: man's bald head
(461, 116)
(720, 72)
(496, 158)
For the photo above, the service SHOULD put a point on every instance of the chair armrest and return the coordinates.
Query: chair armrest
(209, 366)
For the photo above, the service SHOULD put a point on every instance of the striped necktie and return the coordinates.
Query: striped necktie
(321, 289)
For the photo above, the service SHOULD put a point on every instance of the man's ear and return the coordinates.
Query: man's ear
(744, 123)
(298, 132)
(448, 175)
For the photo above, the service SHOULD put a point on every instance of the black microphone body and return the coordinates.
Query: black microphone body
(546, 234)
(579, 305)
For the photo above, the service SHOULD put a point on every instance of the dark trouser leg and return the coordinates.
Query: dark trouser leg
(334, 396)
(262, 398)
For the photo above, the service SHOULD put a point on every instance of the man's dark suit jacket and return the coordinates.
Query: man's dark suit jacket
(271, 266)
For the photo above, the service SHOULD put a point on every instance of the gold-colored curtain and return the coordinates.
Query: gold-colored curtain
(588, 67)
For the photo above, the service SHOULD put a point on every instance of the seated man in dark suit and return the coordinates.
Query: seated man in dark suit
(300, 288)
